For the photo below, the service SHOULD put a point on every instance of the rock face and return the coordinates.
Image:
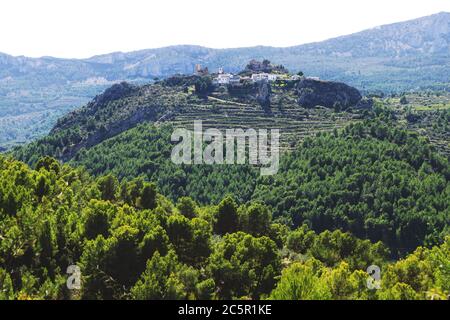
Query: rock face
(263, 96)
(328, 94)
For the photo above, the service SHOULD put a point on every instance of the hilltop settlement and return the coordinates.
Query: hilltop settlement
(255, 71)
(261, 80)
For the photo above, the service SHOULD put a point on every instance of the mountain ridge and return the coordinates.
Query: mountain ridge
(96, 57)
(440, 21)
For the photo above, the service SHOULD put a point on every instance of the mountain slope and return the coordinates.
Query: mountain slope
(427, 35)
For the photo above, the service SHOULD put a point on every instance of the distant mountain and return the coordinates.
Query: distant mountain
(424, 36)
(425, 40)
(403, 56)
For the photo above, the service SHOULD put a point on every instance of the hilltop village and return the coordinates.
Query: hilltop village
(263, 82)
(254, 72)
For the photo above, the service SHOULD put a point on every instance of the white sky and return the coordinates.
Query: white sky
(82, 28)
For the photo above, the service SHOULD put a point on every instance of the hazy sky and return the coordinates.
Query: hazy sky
(82, 28)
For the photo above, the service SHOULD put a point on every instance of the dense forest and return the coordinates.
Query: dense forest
(372, 179)
(131, 242)
(140, 227)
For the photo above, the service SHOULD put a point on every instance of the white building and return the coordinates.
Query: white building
(235, 79)
(259, 77)
(264, 76)
(224, 78)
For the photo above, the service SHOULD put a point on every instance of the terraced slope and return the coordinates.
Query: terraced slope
(426, 113)
(295, 123)
(123, 107)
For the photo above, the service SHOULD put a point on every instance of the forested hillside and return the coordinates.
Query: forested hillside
(130, 242)
(372, 179)
(377, 182)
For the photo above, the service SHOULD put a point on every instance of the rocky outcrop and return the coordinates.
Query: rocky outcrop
(328, 94)
(263, 96)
